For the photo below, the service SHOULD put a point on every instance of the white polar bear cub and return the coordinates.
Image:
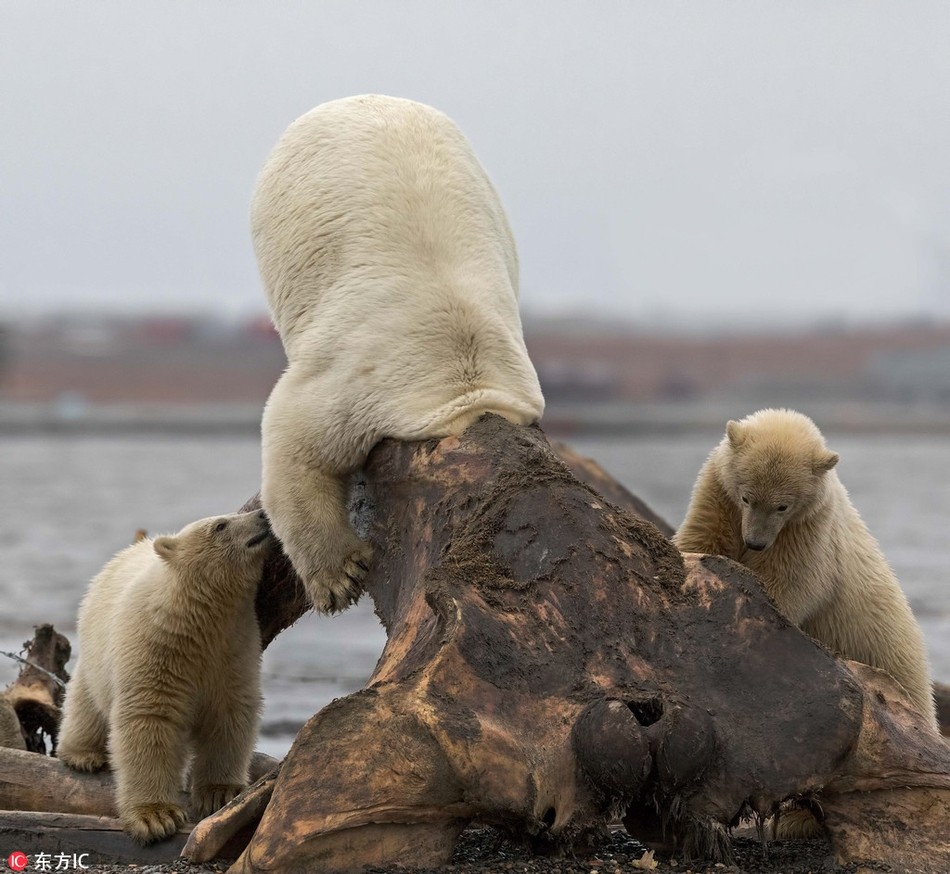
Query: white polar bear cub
(768, 496)
(392, 276)
(169, 664)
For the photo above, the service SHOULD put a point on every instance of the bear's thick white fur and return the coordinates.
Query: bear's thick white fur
(392, 276)
(170, 665)
(768, 497)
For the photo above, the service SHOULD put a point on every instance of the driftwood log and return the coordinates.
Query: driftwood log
(46, 807)
(37, 783)
(553, 662)
(31, 703)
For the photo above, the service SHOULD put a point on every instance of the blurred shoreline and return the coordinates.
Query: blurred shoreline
(608, 419)
(188, 375)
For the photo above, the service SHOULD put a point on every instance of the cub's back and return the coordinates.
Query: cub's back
(109, 595)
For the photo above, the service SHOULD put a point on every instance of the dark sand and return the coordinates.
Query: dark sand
(482, 851)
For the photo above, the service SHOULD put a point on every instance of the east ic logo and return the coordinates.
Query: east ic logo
(19, 861)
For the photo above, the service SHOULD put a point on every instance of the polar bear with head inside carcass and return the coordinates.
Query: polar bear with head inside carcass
(392, 277)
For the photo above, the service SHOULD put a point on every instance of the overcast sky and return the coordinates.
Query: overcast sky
(662, 161)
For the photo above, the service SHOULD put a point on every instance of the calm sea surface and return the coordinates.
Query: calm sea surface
(70, 502)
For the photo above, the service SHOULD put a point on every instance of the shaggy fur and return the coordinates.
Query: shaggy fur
(391, 273)
(10, 734)
(769, 498)
(170, 664)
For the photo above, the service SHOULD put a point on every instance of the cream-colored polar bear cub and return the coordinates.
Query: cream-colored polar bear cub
(392, 276)
(170, 664)
(769, 498)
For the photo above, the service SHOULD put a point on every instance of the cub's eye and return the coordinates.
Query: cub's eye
(745, 500)
(221, 526)
(782, 508)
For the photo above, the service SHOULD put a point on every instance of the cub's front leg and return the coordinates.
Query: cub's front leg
(305, 501)
(224, 743)
(148, 754)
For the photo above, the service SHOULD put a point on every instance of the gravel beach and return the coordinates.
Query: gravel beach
(484, 851)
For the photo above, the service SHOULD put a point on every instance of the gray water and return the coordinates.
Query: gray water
(70, 502)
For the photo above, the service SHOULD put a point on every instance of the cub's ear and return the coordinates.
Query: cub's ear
(734, 433)
(165, 547)
(824, 461)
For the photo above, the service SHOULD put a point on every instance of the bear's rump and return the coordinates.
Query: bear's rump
(351, 205)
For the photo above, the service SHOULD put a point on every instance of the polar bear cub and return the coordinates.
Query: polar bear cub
(169, 663)
(768, 496)
(392, 277)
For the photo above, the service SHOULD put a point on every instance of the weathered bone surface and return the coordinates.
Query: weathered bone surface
(281, 599)
(553, 661)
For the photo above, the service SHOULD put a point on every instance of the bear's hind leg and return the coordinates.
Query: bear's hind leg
(148, 756)
(83, 736)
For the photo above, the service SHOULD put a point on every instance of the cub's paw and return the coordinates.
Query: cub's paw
(206, 799)
(83, 760)
(147, 823)
(344, 588)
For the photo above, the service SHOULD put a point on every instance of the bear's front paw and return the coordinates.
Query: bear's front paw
(205, 800)
(147, 823)
(344, 588)
(88, 760)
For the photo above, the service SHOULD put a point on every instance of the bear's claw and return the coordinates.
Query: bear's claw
(347, 587)
(205, 800)
(147, 823)
(87, 761)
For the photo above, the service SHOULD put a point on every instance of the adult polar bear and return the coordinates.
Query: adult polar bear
(392, 276)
